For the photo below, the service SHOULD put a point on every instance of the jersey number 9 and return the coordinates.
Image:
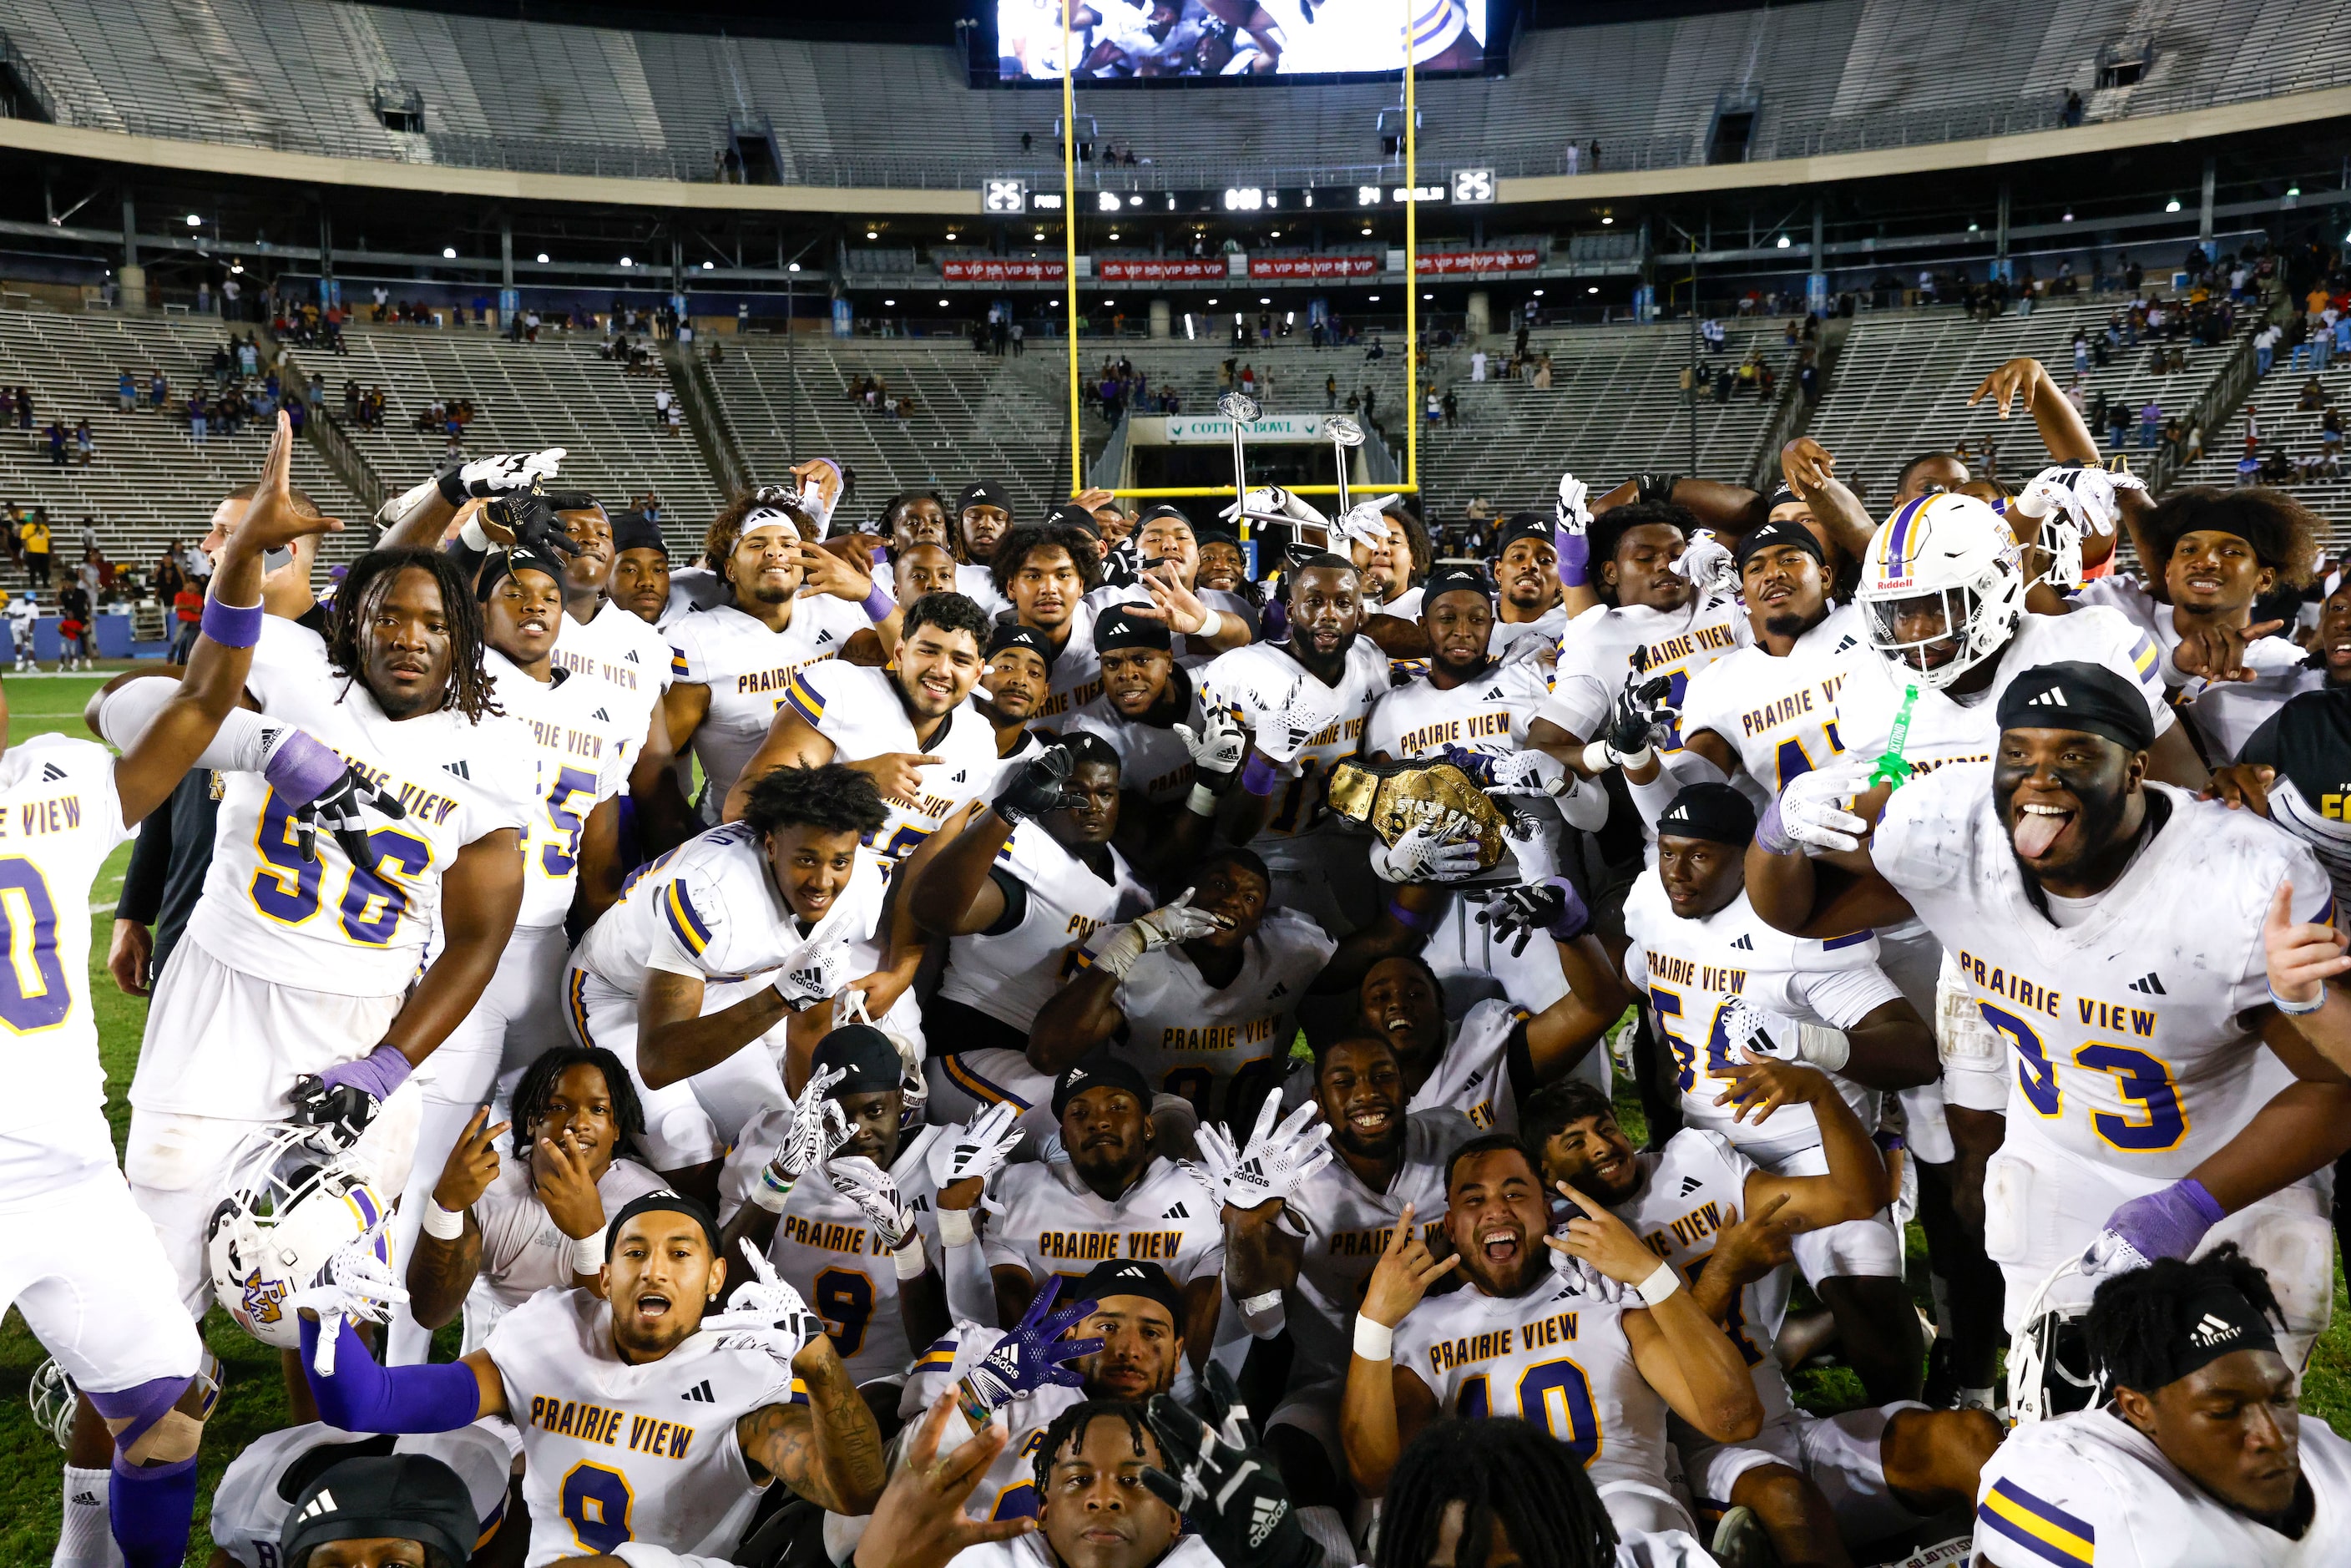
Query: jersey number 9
(596, 1504)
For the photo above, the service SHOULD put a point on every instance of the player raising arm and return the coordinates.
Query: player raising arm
(644, 1416)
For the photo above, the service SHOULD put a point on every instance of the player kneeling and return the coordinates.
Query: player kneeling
(2200, 1458)
(643, 1420)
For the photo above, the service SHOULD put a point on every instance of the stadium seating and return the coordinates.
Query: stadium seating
(150, 483)
(1901, 386)
(1828, 76)
(2289, 428)
(554, 393)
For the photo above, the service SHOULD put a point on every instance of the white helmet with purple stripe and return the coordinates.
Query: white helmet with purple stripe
(1941, 587)
(287, 1212)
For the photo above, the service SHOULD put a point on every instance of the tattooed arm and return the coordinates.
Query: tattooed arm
(829, 1450)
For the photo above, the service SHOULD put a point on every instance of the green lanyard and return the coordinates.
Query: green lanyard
(1891, 770)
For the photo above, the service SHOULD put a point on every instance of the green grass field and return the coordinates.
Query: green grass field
(254, 1401)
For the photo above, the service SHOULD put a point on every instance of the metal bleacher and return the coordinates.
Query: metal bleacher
(553, 392)
(1902, 383)
(2288, 427)
(150, 484)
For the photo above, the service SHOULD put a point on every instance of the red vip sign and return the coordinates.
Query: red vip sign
(1312, 266)
(1159, 269)
(982, 269)
(1513, 260)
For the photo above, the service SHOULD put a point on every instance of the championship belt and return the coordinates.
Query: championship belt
(1394, 798)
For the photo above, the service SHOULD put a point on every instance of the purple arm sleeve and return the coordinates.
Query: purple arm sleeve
(364, 1398)
(380, 1071)
(1575, 556)
(301, 769)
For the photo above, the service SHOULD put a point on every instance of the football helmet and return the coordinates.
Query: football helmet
(1952, 547)
(2049, 1369)
(52, 1395)
(287, 1212)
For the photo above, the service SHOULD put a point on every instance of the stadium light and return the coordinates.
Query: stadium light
(1289, 317)
(1974, 228)
(1134, 201)
(236, 267)
(1114, 234)
(1367, 231)
(2067, 218)
(951, 236)
(448, 252)
(1604, 222)
(793, 267)
(1212, 302)
(1106, 201)
(873, 234)
(1539, 294)
(1309, 198)
(542, 258)
(1171, 203)
(624, 261)
(1428, 297)
(1108, 303)
(1273, 234)
(709, 266)
(943, 302)
(1264, 299)
(2293, 190)
(2172, 205)
(194, 222)
(1041, 233)
(1188, 331)
(889, 302)
(1373, 298)
(1783, 243)
(1594, 289)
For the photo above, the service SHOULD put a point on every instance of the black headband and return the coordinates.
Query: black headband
(983, 494)
(1716, 812)
(2081, 696)
(1774, 535)
(2210, 1322)
(632, 531)
(1119, 627)
(1099, 1069)
(398, 1497)
(1455, 580)
(663, 1201)
(503, 564)
(1012, 634)
(1131, 1277)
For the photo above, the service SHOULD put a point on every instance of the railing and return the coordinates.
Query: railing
(2221, 397)
(334, 444)
(691, 380)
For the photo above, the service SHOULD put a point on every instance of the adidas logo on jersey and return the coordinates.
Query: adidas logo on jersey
(1176, 1211)
(823, 637)
(323, 1503)
(1493, 695)
(1745, 944)
(2054, 697)
(700, 1394)
(51, 772)
(459, 769)
(633, 658)
(601, 714)
(2211, 1331)
(2149, 984)
(1848, 641)
(1690, 1184)
(1280, 989)
(958, 778)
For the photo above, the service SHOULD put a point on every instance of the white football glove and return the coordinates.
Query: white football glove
(1573, 511)
(2087, 494)
(766, 1315)
(1365, 523)
(1529, 842)
(1220, 745)
(1283, 1151)
(497, 474)
(815, 978)
(1307, 709)
(1218, 1157)
(1176, 922)
(1443, 850)
(1530, 772)
(1810, 813)
(819, 1127)
(355, 1284)
(984, 1146)
(1707, 564)
(868, 1185)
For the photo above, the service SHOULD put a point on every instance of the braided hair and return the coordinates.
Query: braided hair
(1069, 1430)
(1510, 1479)
(362, 592)
(538, 1080)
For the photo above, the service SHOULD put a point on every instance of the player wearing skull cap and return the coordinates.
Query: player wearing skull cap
(1148, 700)
(1526, 567)
(2200, 1458)
(376, 1488)
(2109, 929)
(645, 1416)
(1202, 621)
(983, 511)
(1013, 687)
(717, 943)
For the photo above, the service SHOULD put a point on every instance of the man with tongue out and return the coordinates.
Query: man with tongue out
(2109, 928)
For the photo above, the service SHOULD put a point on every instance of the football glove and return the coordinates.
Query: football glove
(1282, 1153)
(355, 1284)
(1218, 749)
(2167, 1223)
(340, 808)
(1552, 906)
(819, 1127)
(1307, 709)
(1033, 1353)
(1224, 1485)
(1443, 850)
(985, 1144)
(1707, 565)
(1642, 715)
(766, 1315)
(1038, 788)
(865, 1184)
(1810, 814)
(1177, 922)
(496, 476)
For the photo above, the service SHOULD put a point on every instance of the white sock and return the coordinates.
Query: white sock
(83, 1539)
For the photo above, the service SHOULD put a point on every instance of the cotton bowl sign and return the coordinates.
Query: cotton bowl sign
(1272, 427)
(984, 269)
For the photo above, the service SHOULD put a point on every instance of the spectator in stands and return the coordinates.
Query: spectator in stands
(87, 537)
(2330, 428)
(91, 573)
(2274, 467)
(188, 607)
(2150, 421)
(57, 438)
(168, 575)
(23, 407)
(12, 524)
(34, 536)
(126, 392)
(85, 441)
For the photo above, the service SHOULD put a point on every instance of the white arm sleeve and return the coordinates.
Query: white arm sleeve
(242, 745)
(1843, 997)
(971, 1289)
(1675, 773)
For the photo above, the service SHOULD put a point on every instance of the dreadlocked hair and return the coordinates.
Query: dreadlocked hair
(719, 540)
(538, 1080)
(1069, 1430)
(2135, 1312)
(2284, 533)
(833, 798)
(370, 579)
(1512, 1480)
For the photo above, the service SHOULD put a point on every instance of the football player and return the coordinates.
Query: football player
(2202, 1456)
(1089, 1468)
(2104, 924)
(921, 567)
(1601, 1348)
(1303, 703)
(1394, 567)
(1726, 1223)
(792, 605)
(717, 943)
(1528, 571)
(1204, 619)
(983, 512)
(1014, 687)
(1148, 702)
(1029, 879)
(105, 1307)
(259, 1493)
(409, 1504)
(644, 1416)
(494, 1233)
(1046, 572)
(639, 584)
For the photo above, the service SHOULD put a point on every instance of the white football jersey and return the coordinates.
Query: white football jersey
(1473, 1076)
(1075, 678)
(1252, 682)
(1488, 715)
(1031, 1550)
(1008, 1487)
(1010, 974)
(579, 741)
(863, 712)
(325, 924)
(615, 1452)
(2224, 716)
(1595, 655)
(1195, 1039)
(1779, 716)
(825, 1248)
(59, 818)
(709, 909)
(624, 652)
(748, 669)
(1556, 1356)
(1547, 626)
(524, 1252)
(2124, 1018)
(1152, 762)
(1053, 1223)
(1690, 1190)
(1692, 970)
(1343, 1228)
(978, 584)
(261, 1485)
(2089, 1487)
(1944, 730)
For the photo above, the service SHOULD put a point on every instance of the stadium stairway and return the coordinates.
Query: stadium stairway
(150, 483)
(2290, 428)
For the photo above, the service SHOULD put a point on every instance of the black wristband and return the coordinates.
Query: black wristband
(453, 488)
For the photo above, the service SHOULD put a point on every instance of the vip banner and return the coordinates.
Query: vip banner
(1511, 260)
(1160, 269)
(988, 270)
(1277, 267)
